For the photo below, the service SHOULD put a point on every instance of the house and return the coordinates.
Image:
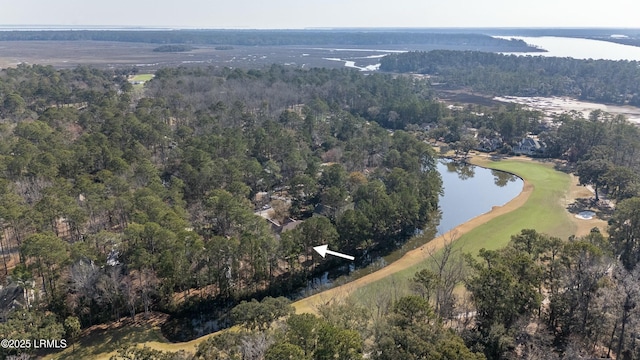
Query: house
(12, 297)
(529, 146)
(287, 225)
(290, 224)
(269, 214)
(489, 144)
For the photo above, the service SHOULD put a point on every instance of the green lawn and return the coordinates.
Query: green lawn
(139, 80)
(141, 77)
(543, 211)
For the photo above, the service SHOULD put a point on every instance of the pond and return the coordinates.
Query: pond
(469, 191)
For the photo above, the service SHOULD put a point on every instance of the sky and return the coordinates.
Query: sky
(296, 14)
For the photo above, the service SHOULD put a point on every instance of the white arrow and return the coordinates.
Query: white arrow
(323, 251)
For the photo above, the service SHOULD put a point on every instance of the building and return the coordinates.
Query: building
(12, 297)
(529, 146)
(489, 145)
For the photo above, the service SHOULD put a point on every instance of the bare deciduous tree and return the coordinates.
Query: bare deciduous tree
(84, 276)
(254, 346)
(450, 269)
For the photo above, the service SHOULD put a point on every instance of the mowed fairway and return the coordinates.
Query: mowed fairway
(541, 206)
(545, 209)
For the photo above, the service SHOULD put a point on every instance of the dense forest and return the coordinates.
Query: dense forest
(607, 81)
(204, 192)
(114, 203)
(276, 37)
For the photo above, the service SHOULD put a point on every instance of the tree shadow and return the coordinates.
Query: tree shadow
(498, 157)
(564, 166)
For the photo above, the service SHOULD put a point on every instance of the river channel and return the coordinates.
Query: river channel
(469, 191)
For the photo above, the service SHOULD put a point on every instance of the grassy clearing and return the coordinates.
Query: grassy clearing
(139, 80)
(141, 77)
(102, 344)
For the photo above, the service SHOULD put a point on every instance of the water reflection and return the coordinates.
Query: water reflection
(464, 170)
(502, 178)
(467, 171)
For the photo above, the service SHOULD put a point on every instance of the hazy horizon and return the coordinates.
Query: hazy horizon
(315, 14)
(334, 28)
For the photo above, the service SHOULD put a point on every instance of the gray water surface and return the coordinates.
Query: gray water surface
(470, 191)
